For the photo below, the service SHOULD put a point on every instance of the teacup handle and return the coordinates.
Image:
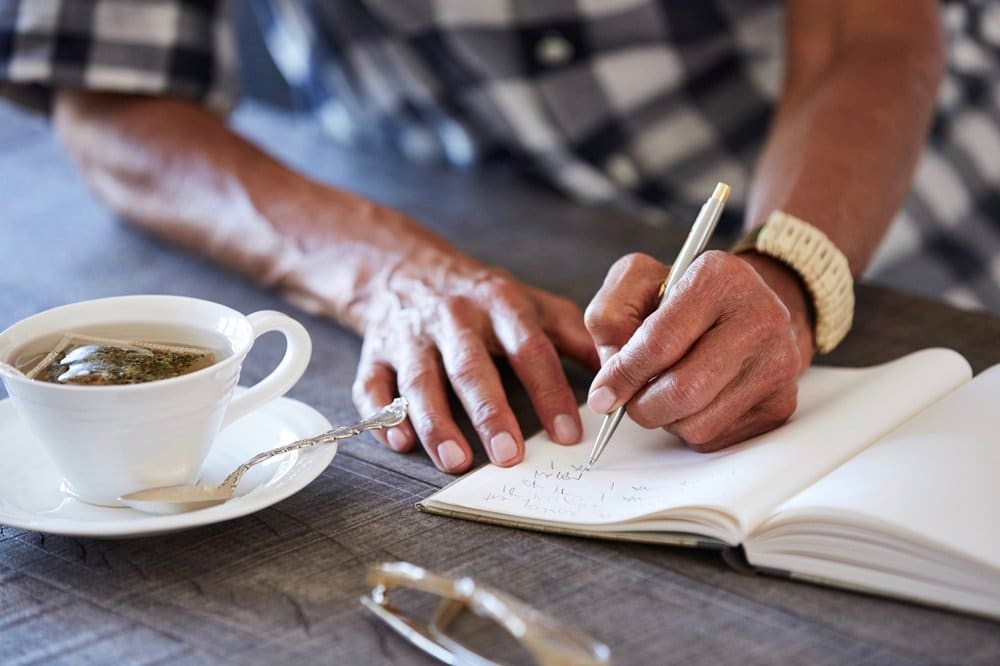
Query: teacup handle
(298, 349)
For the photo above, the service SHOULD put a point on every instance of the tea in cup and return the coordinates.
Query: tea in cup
(129, 393)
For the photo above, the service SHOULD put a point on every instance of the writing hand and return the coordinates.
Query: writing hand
(440, 320)
(717, 363)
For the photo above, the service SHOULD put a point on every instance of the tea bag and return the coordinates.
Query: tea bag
(95, 361)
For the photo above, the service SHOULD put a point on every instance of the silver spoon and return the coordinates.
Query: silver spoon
(167, 500)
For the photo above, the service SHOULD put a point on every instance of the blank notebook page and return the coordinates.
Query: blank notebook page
(934, 479)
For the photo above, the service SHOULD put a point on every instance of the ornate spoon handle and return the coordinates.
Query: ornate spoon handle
(391, 415)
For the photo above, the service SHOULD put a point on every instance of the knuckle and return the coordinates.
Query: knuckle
(546, 389)
(732, 276)
(624, 368)
(418, 375)
(503, 288)
(783, 407)
(754, 332)
(465, 369)
(787, 363)
(634, 264)
(776, 313)
(767, 420)
(644, 417)
(713, 268)
(717, 261)
(487, 411)
(631, 261)
(770, 423)
(698, 434)
(658, 340)
(453, 307)
(429, 424)
(763, 326)
(532, 345)
(548, 397)
(738, 268)
(776, 366)
(605, 326)
(705, 447)
(594, 317)
(687, 394)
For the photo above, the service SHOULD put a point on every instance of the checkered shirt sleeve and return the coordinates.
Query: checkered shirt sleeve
(174, 47)
(945, 243)
(643, 104)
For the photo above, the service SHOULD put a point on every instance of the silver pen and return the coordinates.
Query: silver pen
(697, 238)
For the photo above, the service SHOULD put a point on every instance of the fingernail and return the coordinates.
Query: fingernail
(450, 454)
(602, 400)
(504, 448)
(566, 429)
(397, 439)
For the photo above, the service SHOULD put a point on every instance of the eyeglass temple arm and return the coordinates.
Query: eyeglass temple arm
(410, 630)
(446, 612)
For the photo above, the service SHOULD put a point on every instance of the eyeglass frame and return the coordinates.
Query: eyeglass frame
(550, 642)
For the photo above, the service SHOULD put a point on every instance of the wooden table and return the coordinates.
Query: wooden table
(282, 585)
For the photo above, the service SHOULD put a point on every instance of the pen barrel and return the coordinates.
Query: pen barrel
(702, 229)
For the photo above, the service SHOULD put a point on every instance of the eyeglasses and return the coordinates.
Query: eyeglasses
(550, 642)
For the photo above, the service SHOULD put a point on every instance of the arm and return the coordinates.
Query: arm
(859, 94)
(728, 347)
(429, 315)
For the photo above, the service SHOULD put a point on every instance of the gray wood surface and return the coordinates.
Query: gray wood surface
(282, 585)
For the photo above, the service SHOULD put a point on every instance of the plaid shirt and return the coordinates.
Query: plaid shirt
(641, 103)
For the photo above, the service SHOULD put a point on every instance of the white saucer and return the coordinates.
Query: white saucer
(30, 495)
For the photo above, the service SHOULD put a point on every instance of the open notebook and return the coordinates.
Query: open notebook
(886, 479)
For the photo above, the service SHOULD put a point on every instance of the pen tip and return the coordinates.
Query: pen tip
(721, 192)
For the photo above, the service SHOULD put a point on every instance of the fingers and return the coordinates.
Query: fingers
(446, 329)
(374, 387)
(422, 381)
(476, 381)
(661, 339)
(626, 298)
(717, 363)
(714, 428)
(536, 362)
(690, 385)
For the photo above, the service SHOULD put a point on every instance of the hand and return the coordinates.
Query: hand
(718, 363)
(439, 320)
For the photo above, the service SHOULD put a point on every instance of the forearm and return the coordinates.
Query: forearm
(846, 138)
(858, 99)
(176, 169)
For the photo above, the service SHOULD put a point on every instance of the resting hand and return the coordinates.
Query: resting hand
(718, 363)
(439, 319)
(429, 315)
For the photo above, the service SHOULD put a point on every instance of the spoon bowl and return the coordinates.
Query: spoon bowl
(167, 500)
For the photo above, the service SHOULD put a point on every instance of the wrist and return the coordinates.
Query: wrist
(338, 250)
(793, 293)
(821, 265)
(368, 262)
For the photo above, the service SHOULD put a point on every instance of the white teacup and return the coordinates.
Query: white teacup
(111, 440)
